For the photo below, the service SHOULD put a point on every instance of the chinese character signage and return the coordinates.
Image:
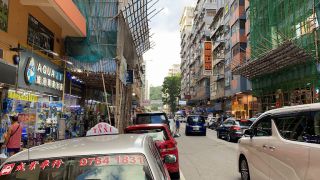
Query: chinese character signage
(43, 75)
(207, 56)
(22, 96)
(39, 74)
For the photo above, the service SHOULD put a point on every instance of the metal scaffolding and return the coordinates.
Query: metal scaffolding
(137, 14)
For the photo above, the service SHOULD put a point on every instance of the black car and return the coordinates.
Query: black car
(152, 118)
(232, 129)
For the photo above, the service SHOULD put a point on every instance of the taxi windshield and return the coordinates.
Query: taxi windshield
(114, 167)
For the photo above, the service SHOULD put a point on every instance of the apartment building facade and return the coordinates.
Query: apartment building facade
(186, 23)
(280, 76)
(200, 72)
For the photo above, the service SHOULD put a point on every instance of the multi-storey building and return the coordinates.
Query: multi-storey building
(284, 67)
(174, 70)
(241, 95)
(219, 37)
(204, 12)
(186, 22)
(229, 93)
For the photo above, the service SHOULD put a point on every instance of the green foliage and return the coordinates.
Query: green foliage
(171, 91)
(155, 93)
(154, 107)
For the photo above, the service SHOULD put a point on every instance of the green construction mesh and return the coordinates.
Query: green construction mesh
(274, 21)
(101, 41)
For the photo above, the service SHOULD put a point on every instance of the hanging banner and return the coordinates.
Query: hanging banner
(22, 96)
(130, 77)
(207, 56)
(123, 70)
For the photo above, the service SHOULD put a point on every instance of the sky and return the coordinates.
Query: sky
(165, 27)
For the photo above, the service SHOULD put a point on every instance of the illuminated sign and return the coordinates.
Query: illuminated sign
(42, 75)
(207, 56)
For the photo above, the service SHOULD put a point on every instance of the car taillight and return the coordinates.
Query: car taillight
(170, 146)
(235, 128)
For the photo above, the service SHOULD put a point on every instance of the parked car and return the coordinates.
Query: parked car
(154, 118)
(166, 144)
(232, 129)
(111, 157)
(196, 124)
(282, 144)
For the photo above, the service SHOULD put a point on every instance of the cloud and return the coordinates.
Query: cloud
(165, 27)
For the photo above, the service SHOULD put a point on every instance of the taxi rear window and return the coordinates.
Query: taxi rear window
(109, 167)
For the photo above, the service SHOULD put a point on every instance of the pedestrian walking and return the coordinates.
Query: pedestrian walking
(12, 138)
(177, 126)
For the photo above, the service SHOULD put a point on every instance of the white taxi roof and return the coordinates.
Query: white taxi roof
(107, 144)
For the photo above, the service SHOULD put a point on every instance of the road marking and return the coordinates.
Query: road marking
(182, 176)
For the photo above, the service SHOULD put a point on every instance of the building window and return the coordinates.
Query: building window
(39, 36)
(211, 12)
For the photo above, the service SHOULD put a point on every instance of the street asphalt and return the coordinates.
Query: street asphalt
(206, 157)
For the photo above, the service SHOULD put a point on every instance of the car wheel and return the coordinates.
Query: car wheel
(228, 138)
(205, 134)
(187, 134)
(175, 175)
(218, 135)
(244, 169)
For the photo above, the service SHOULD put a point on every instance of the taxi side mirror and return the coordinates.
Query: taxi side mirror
(248, 133)
(169, 159)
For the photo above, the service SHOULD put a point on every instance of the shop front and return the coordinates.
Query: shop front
(36, 100)
(244, 106)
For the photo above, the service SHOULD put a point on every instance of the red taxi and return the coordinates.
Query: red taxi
(166, 144)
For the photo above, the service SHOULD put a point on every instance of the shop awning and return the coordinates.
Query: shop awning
(287, 54)
(94, 80)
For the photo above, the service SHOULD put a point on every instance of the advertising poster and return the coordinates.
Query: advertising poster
(4, 11)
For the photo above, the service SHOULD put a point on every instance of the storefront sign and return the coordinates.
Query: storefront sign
(207, 56)
(22, 96)
(43, 75)
(39, 74)
(39, 35)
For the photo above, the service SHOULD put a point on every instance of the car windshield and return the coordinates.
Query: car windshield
(150, 118)
(244, 123)
(114, 167)
(156, 134)
(196, 119)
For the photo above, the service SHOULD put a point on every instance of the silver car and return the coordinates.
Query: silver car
(112, 157)
(282, 144)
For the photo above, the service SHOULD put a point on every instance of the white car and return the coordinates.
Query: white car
(282, 144)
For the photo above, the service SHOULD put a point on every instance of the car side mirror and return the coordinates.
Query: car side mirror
(248, 133)
(169, 159)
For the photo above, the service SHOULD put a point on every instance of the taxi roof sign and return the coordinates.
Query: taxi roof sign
(102, 129)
